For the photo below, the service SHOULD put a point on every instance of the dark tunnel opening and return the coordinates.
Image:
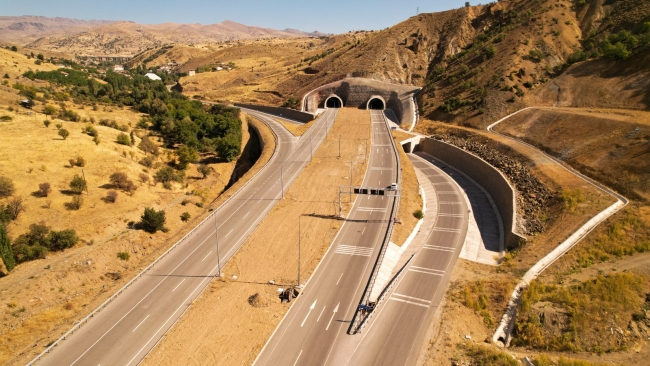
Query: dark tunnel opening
(333, 102)
(376, 103)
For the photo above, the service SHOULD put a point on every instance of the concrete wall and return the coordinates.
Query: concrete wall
(495, 183)
(285, 112)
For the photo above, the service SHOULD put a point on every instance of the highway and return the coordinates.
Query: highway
(123, 332)
(396, 333)
(320, 317)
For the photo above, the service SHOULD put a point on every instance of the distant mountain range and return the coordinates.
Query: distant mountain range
(101, 37)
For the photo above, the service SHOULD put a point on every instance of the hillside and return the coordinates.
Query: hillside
(125, 38)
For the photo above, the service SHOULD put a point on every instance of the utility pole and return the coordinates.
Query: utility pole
(216, 233)
(340, 145)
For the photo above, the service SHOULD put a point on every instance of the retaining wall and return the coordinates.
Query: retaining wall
(284, 112)
(495, 183)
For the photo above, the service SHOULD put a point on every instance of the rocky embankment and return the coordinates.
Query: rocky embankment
(533, 197)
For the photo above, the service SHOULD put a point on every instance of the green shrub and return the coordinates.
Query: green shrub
(78, 184)
(418, 214)
(123, 139)
(6, 118)
(6, 252)
(185, 216)
(7, 187)
(124, 256)
(64, 133)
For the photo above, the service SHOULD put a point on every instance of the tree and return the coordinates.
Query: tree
(64, 133)
(6, 187)
(123, 139)
(6, 252)
(14, 48)
(490, 51)
(153, 220)
(40, 57)
(229, 147)
(44, 189)
(49, 110)
(14, 207)
(204, 170)
(186, 155)
(78, 184)
(47, 123)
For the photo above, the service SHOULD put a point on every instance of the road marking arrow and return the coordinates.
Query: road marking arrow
(332, 318)
(310, 309)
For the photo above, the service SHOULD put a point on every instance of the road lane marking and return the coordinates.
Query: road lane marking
(321, 314)
(246, 214)
(206, 256)
(228, 233)
(140, 324)
(448, 203)
(352, 250)
(337, 282)
(178, 285)
(412, 298)
(435, 272)
(295, 363)
(446, 229)
(371, 209)
(409, 302)
(450, 215)
(332, 318)
(364, 230)
(435, 247)
(309, 312)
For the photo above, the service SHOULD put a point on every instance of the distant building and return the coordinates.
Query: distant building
(118, 68)
(191, 73)
(152, 76)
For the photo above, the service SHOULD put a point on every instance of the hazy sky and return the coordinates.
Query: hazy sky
(332, 16)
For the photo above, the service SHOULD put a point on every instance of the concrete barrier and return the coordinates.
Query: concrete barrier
(279, 111)
(492, 180)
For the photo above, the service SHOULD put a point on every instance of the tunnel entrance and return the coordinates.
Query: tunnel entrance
(333, 102)
(376, 103)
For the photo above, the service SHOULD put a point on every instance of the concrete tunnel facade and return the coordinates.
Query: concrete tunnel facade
(364, 93)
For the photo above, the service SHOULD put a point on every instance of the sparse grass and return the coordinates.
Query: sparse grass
(294, 128)
(571, 198)
(487, 356)
(594, 304)
(486, 298)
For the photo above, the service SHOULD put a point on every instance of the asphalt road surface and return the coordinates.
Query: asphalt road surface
(319, 319)
(396, 332)
(129, 327)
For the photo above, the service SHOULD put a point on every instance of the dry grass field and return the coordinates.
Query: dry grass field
(222, 327)
(66, 285)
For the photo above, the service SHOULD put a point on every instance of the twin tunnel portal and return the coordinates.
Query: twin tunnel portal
(375, 102)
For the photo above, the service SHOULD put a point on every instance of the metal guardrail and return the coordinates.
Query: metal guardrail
(150, 266)
(359, 319)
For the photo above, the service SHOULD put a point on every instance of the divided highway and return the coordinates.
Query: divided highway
(396, 332)
(130, 326)
(321, 315)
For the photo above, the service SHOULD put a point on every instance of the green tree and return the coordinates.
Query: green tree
(6, 187)
(229, 147)
(185, 216)
(14, 48)
(47, 123)
(64, 133)
(186, 155)
(60, 240)
(490, 51)
(153, 220)
(167, 174)
(78, 184)
(6, 252)
(40, 57)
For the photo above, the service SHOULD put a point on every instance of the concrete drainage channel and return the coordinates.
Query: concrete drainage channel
(503, 333)
(150, 266)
